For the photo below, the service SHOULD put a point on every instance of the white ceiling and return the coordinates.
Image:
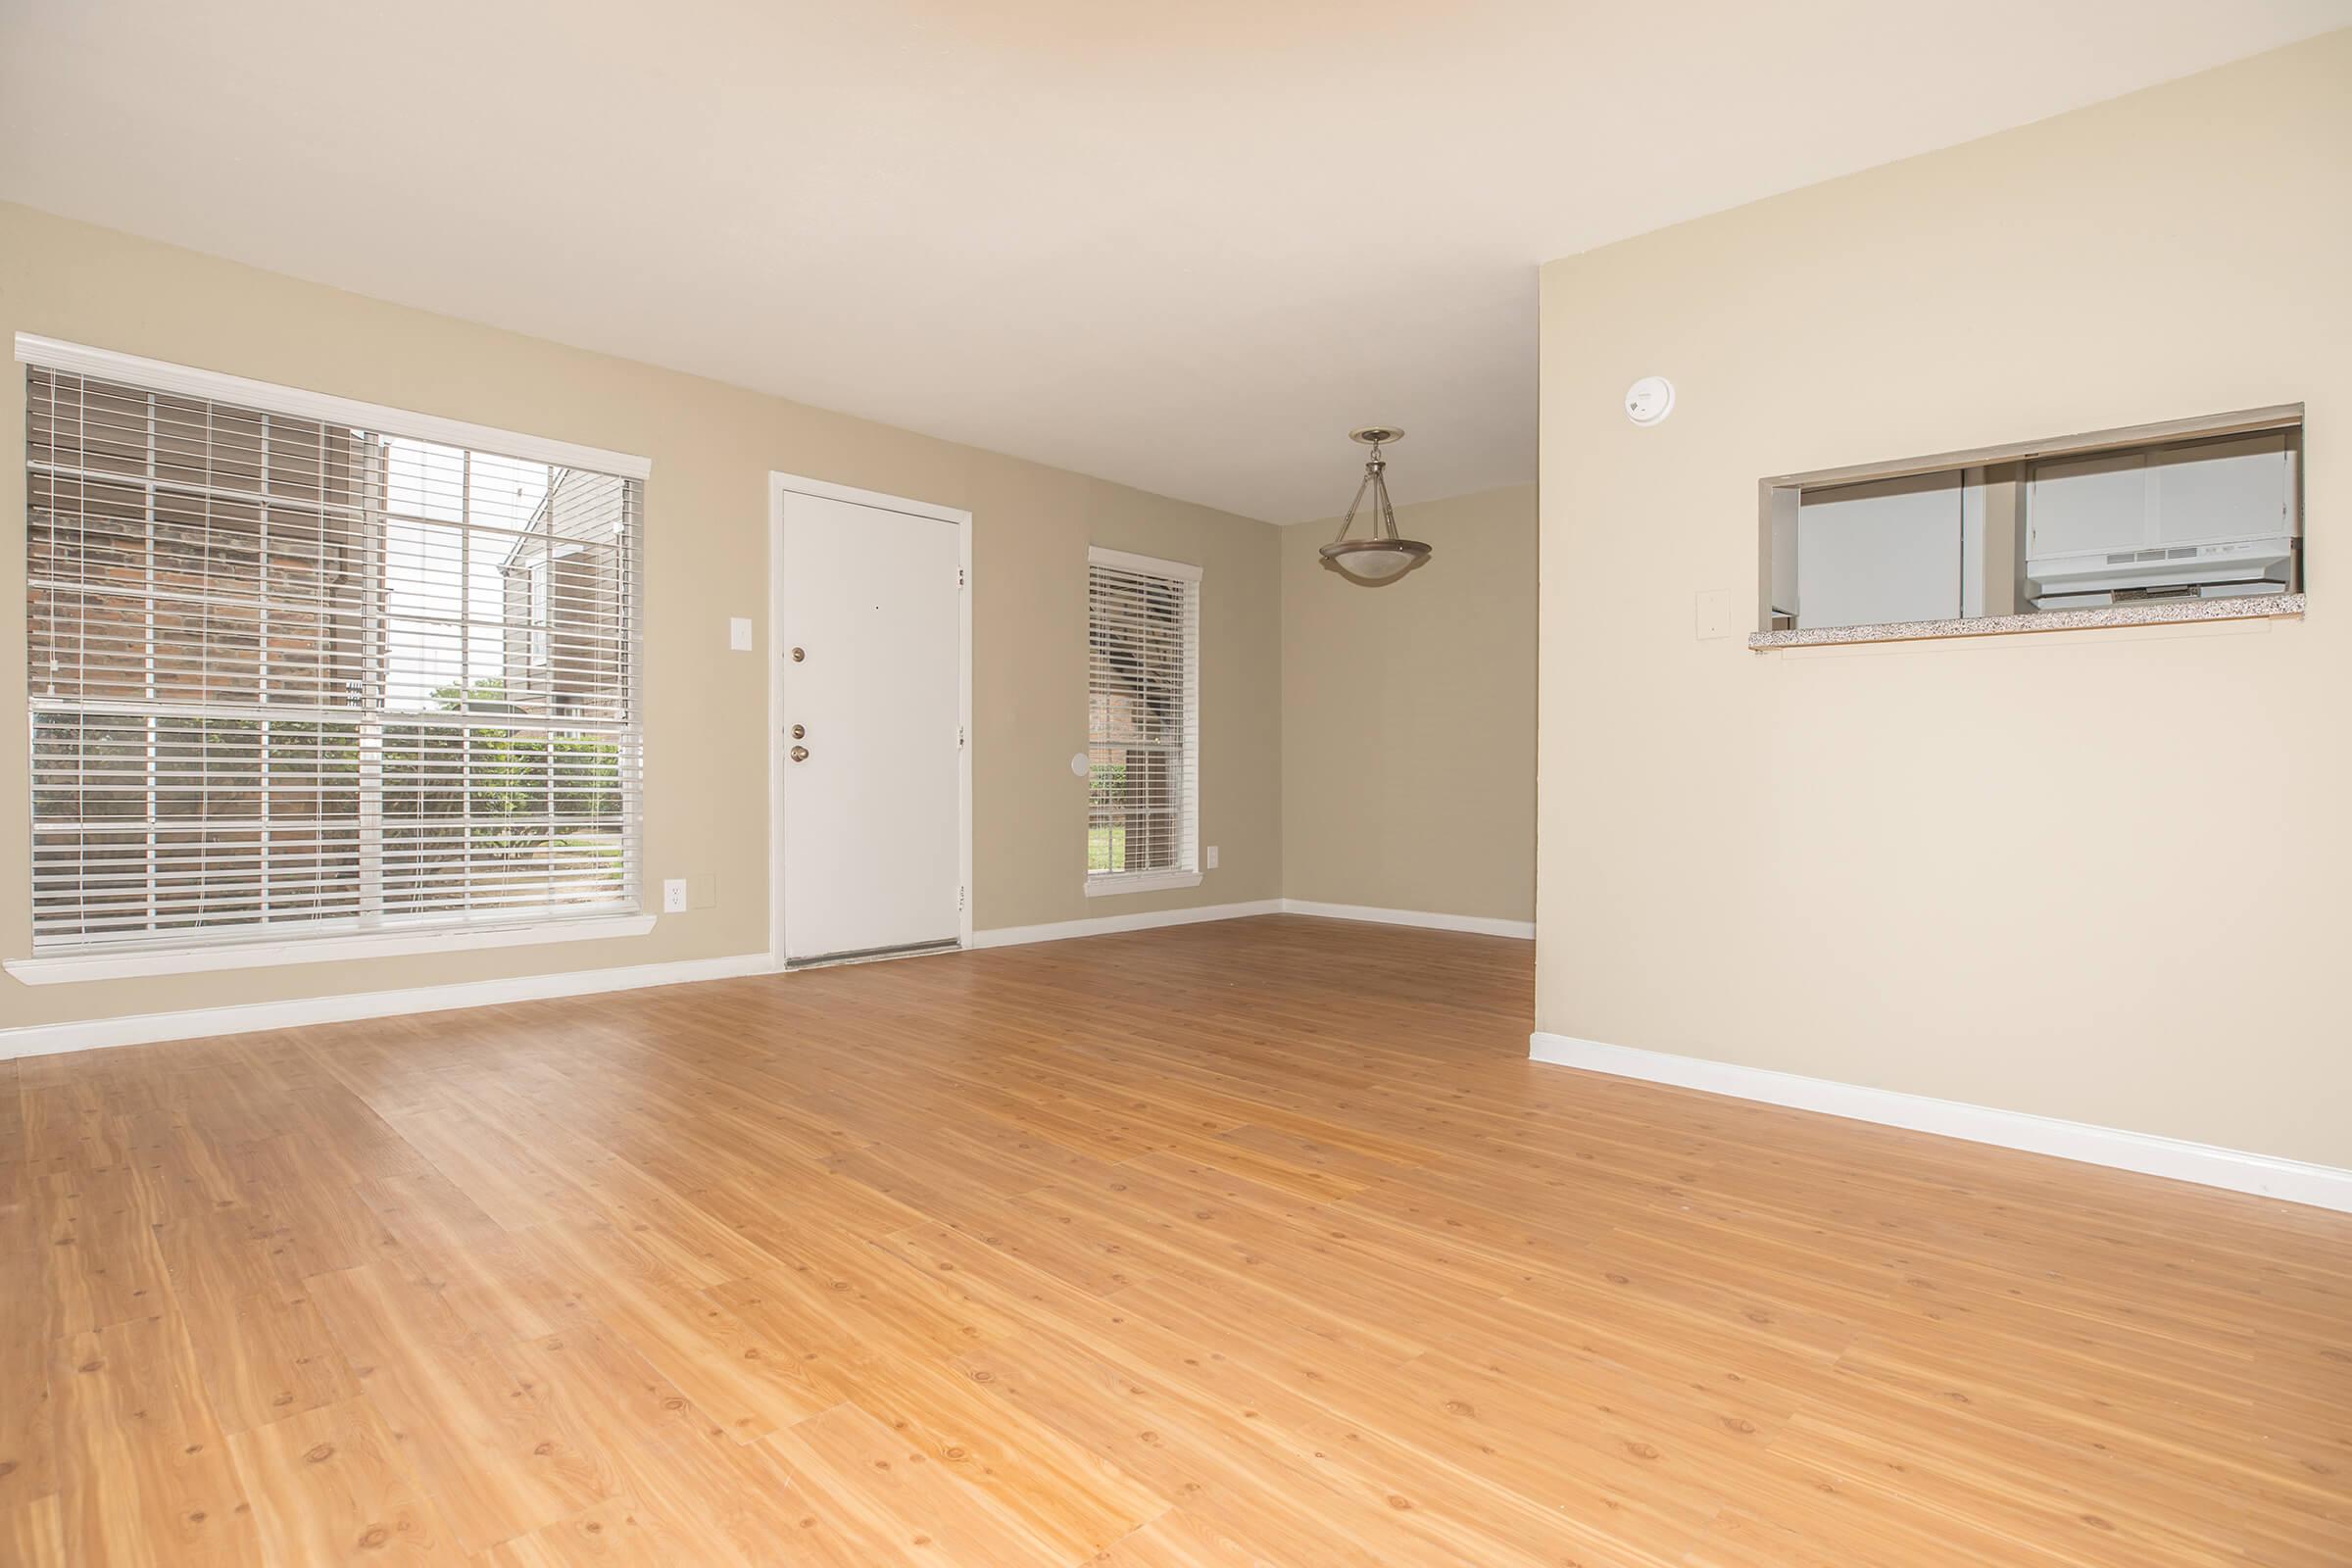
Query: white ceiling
(1182, 246)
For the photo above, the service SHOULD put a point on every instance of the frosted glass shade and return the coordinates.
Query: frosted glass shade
(1375, 558)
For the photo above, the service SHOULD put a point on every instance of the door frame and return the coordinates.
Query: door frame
(781, 486)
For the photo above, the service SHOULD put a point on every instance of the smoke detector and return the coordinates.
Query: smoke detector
(1650, 400)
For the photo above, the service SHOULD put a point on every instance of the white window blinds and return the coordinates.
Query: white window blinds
(1143, 716)
(293, 676)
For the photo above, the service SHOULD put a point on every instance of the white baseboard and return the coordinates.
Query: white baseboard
(41, 1039)
(1006, 936)
(2291, 1181)
(47, 1039)
(1483, 925)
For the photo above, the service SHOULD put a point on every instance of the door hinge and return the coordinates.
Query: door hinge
(958, 576)
(959, 737)
(959, 900)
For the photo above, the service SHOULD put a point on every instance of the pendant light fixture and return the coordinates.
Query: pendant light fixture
(1381, 554)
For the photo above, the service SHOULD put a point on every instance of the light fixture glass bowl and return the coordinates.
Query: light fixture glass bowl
(1375, 558)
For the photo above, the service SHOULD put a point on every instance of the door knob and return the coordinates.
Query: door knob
(799, 731)
(799, 653)
(800, 754)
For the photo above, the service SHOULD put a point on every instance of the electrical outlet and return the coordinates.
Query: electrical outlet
(1212, 856)
(1711, 614)
(673, 896)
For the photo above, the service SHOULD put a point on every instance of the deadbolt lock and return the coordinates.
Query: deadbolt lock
(799, 653)
(800, 754)
(800, 731)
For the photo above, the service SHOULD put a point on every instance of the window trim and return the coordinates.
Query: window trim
(1126, 560)
(427, 934)
(1111, 884)
(162, 376)
(130, 963)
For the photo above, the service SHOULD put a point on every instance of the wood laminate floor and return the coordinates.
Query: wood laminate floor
(1253, 1242)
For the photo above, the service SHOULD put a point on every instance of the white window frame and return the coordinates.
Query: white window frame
(332, 944)
(1187, 873)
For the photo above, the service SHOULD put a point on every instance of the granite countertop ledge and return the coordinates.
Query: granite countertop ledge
(2145, 612)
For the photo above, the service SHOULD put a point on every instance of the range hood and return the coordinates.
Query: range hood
(2204, 518)
(2264, 566)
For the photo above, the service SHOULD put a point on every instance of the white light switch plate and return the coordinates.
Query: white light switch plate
(1711, 612)
(739, 633)
(673, 896)
(1212, 856)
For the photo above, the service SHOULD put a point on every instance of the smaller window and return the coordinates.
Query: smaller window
(1143, 723)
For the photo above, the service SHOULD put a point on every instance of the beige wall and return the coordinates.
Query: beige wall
(2100, 875)
(712, 447)
(1408, 716)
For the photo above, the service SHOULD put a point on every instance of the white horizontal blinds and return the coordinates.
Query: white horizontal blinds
(288, 676)
(194, 654)
(510, 747)
(1143, 708)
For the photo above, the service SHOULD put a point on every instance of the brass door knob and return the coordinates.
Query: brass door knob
(799, 653)
(799, 731)
(800, 754)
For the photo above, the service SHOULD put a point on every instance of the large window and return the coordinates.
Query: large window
(1143, 723)
(295, 676)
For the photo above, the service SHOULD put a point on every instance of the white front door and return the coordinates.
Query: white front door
(869, 653)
